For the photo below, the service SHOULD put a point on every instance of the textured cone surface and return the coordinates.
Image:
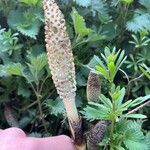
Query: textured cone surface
(10, 116)
(59, 51)
(60, 59)
(93, 87)
(96, 135)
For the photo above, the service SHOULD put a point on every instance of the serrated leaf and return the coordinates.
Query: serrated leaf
(25, 22)
(84, 3)
(79, 24)
(136, 116)
(56, 107)
(96, 111)
(136, 24)
(95, 6)
(106, 101)
(134, 138)
(37, 64)
(14, 69)
(23, 89)
(99, 6)
(31, 31)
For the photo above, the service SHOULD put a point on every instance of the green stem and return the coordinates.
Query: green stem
(41, 88)
(29, 106)
(38, 95)
(112, 122)
(112, 131)
(41, 113)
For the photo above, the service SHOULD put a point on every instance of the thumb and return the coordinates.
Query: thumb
(61, 142)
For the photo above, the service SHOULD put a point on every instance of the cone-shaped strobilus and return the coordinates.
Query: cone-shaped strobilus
(96, 134)
(93, 87)
(60, 59)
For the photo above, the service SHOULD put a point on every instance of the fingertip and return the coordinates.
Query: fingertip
(17, 132)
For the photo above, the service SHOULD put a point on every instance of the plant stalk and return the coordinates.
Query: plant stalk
(112, 129)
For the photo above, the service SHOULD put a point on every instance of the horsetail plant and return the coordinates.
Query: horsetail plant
(96, 133)
(112, 109)
(60, 59)
(93, 87)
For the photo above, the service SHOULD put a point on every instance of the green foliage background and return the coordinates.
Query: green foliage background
(26, 86)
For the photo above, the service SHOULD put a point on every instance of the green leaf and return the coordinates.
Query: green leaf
(92, 37)
(95, 111)
(37, 64)
(127, 1)
(111, 68)
(25, 22)
(148, 139)
(121, 97)
(136, 116)
(106, 101)
(145, 70)
(84, 3)
(125, 105)
(79, 24)
(119, 148)
(145, 3)
(139, 100)
(133, 141)
(119, 60)
(81, 81)
(56, 107)
(23, 89)
(96, 61)
(147, 90)
(102, 71)
(136, 24)
(29, 2)
(95, 6)
(14, 69)
(133, 136)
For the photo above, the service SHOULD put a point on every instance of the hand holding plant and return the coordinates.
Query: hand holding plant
(15, 138)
